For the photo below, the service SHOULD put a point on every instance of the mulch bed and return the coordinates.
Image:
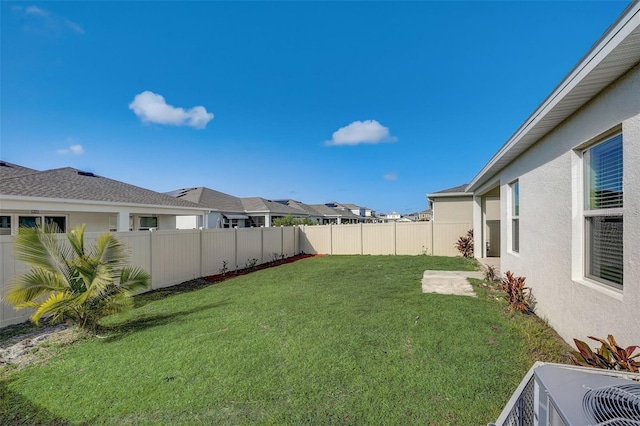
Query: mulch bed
(199, 283)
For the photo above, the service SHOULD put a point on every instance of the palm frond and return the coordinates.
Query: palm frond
(110, 251)
(116, 303)
(134, 279)
(57, 305)
(34, 246)
(76, 239)
(33, 284)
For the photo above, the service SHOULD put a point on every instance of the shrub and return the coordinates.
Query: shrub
(490, 275)
(293, 221)
(518, 295)
(465, 244)
(609, 356)
(72, 281)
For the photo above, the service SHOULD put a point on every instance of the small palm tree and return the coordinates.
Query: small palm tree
(70, 281)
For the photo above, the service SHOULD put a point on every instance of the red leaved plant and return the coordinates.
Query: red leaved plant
(609, 356)
(517, 294)
(465, 244)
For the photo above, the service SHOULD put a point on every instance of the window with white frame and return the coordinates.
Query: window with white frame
(603, 211)
(515, 216)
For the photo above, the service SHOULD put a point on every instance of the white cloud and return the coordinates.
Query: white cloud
(152, 108)
(368, 131)
(73, 26)
(72, 149)
(47, 21)
(35, 10)
(390, 176)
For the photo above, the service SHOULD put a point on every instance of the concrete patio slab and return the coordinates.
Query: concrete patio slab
(449, 282)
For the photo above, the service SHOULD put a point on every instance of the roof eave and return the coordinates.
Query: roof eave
(449, 194)
(628, 21)
(96, 203)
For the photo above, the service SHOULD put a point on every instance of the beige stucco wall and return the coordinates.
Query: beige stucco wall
(453, 209)
(551, 255)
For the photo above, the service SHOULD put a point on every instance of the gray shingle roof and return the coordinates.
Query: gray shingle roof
(220, 201)
(325, 210)
(352, 206)
(72, 184)
(301, 207)
(459, 188)
(9, 170)
(257, 204)
(210, 198)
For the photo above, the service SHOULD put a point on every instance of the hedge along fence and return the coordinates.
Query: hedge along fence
(176, 256)
(173, 256)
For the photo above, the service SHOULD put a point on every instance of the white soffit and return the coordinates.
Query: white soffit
(617, 51)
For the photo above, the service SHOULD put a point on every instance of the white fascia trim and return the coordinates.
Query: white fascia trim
(450, 194)
(22, 198)
(617, 32)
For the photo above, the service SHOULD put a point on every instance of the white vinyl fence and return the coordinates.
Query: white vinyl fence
(413, 238)
(176, 256)
(173, 257)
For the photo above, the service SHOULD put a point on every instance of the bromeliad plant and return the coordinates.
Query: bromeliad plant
(609, 356)
(518, 295)
(465, 244)
(68, 280)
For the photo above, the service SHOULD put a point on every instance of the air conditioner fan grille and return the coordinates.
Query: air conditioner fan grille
(617, 405)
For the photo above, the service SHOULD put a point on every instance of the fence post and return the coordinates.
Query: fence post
(395, 238)
(151, 262)
(331, 238)
(361, 239)
(235, 248)
(261, 245)
(201, 254)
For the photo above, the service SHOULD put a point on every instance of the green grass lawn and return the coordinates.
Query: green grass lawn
(325, 340)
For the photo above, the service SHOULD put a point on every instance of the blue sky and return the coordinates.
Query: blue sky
(371, 103)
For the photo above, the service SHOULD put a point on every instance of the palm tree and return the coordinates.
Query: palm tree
(70, 281)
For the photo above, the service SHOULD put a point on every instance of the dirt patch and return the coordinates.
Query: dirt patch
(28, 347)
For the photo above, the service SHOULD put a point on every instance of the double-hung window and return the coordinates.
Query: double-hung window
(603, 211)
(515, 216)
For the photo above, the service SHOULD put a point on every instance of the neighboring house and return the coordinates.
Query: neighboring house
(323, 214)
(227, 211)
(68, 197)
(411, 217)
(455, 206)
(451, 205)
(303, 208)
(568, 181)
(425, 215)
(224, 210)
(363, 212)
(393, 216)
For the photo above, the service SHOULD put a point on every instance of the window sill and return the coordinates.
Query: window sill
(601, 288)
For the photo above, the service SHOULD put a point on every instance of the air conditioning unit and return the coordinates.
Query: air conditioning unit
(564, 395)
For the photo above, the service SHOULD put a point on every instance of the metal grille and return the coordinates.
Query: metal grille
(614, 405)
(522, 412)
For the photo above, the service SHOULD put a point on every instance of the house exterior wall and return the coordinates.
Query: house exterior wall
(551, 254)
(98, 216)
(189, 222)
(453, 209)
